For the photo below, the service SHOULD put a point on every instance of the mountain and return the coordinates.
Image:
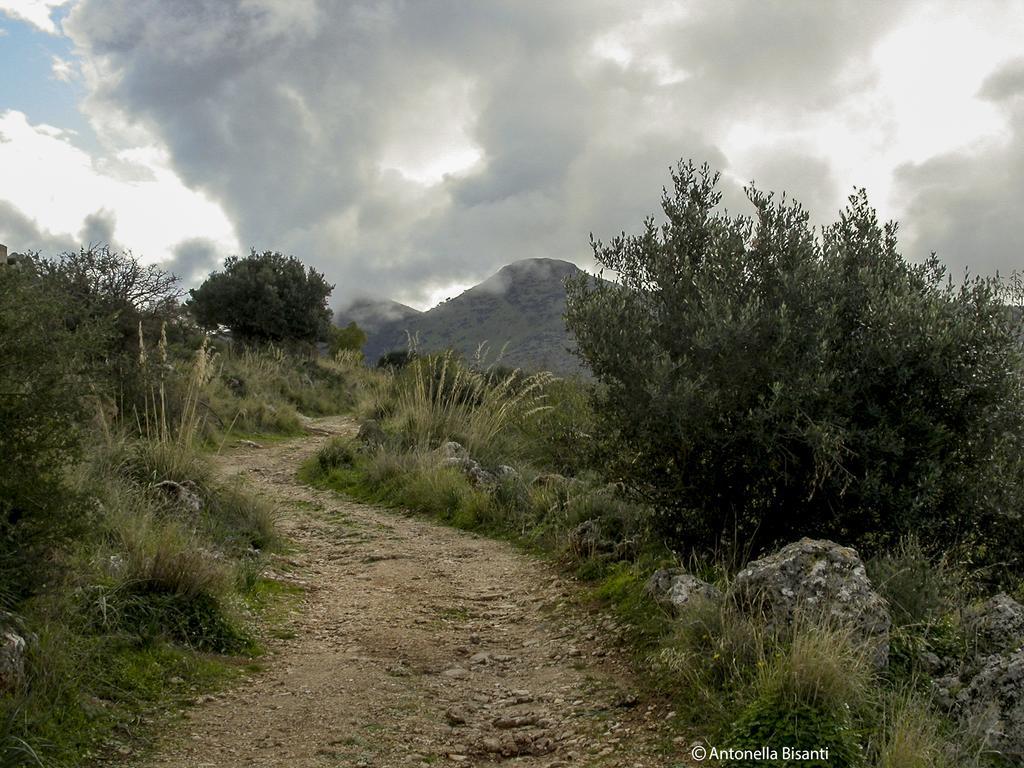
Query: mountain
(521, 308)
(374, 314)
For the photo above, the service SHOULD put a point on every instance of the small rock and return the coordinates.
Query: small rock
(455, 673)
(455, 716)
(506, 722)
(490, 745)
(931, 662)
(677, 589)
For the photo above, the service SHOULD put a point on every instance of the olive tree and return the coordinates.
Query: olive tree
(762, 381)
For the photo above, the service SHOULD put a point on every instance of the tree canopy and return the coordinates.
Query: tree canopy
(101, 285)
(264, 297)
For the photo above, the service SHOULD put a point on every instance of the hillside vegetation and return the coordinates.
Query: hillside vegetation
(131, 578)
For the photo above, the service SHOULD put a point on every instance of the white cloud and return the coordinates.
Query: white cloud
(140, 200)
(38, 13)
(62, 69)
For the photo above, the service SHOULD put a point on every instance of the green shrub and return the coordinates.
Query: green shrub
(714, 653)
(917, 587)
(445, 493)
(561, 436)
(45, 380)
(912, 736)
(762, 383)
(336, 453)
(351, 338)
(438, 398)
(198, 621)
(777, 723)
(807, 695)
(147, 462)
(239, 522)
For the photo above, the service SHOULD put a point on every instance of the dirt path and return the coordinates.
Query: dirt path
(416, 644)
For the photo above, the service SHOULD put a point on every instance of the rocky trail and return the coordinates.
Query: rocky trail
(416, 644)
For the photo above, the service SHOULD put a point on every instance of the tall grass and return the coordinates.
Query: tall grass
(439, 398)
(161, 421)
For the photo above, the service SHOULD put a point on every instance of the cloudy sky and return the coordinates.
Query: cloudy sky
(408, 149)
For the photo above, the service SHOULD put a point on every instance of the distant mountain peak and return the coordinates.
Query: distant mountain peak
(374, 314)
(527, 271)
(520, 308)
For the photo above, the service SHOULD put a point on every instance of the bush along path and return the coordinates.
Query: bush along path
(417, 644)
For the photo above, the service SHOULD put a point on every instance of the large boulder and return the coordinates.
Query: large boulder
(14, 642)
(996, 625)
(821, 580)
(993, 703)
(676, 589)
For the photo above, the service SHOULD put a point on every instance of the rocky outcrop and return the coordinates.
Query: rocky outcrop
(820, 579)
(996, 625)
(993, 704)
(676, 589)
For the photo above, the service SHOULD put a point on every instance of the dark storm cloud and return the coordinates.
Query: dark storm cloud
(193, 259)
(801, 177)
(284, 111)
(781, 54)
(98, 229)
(965, 206)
